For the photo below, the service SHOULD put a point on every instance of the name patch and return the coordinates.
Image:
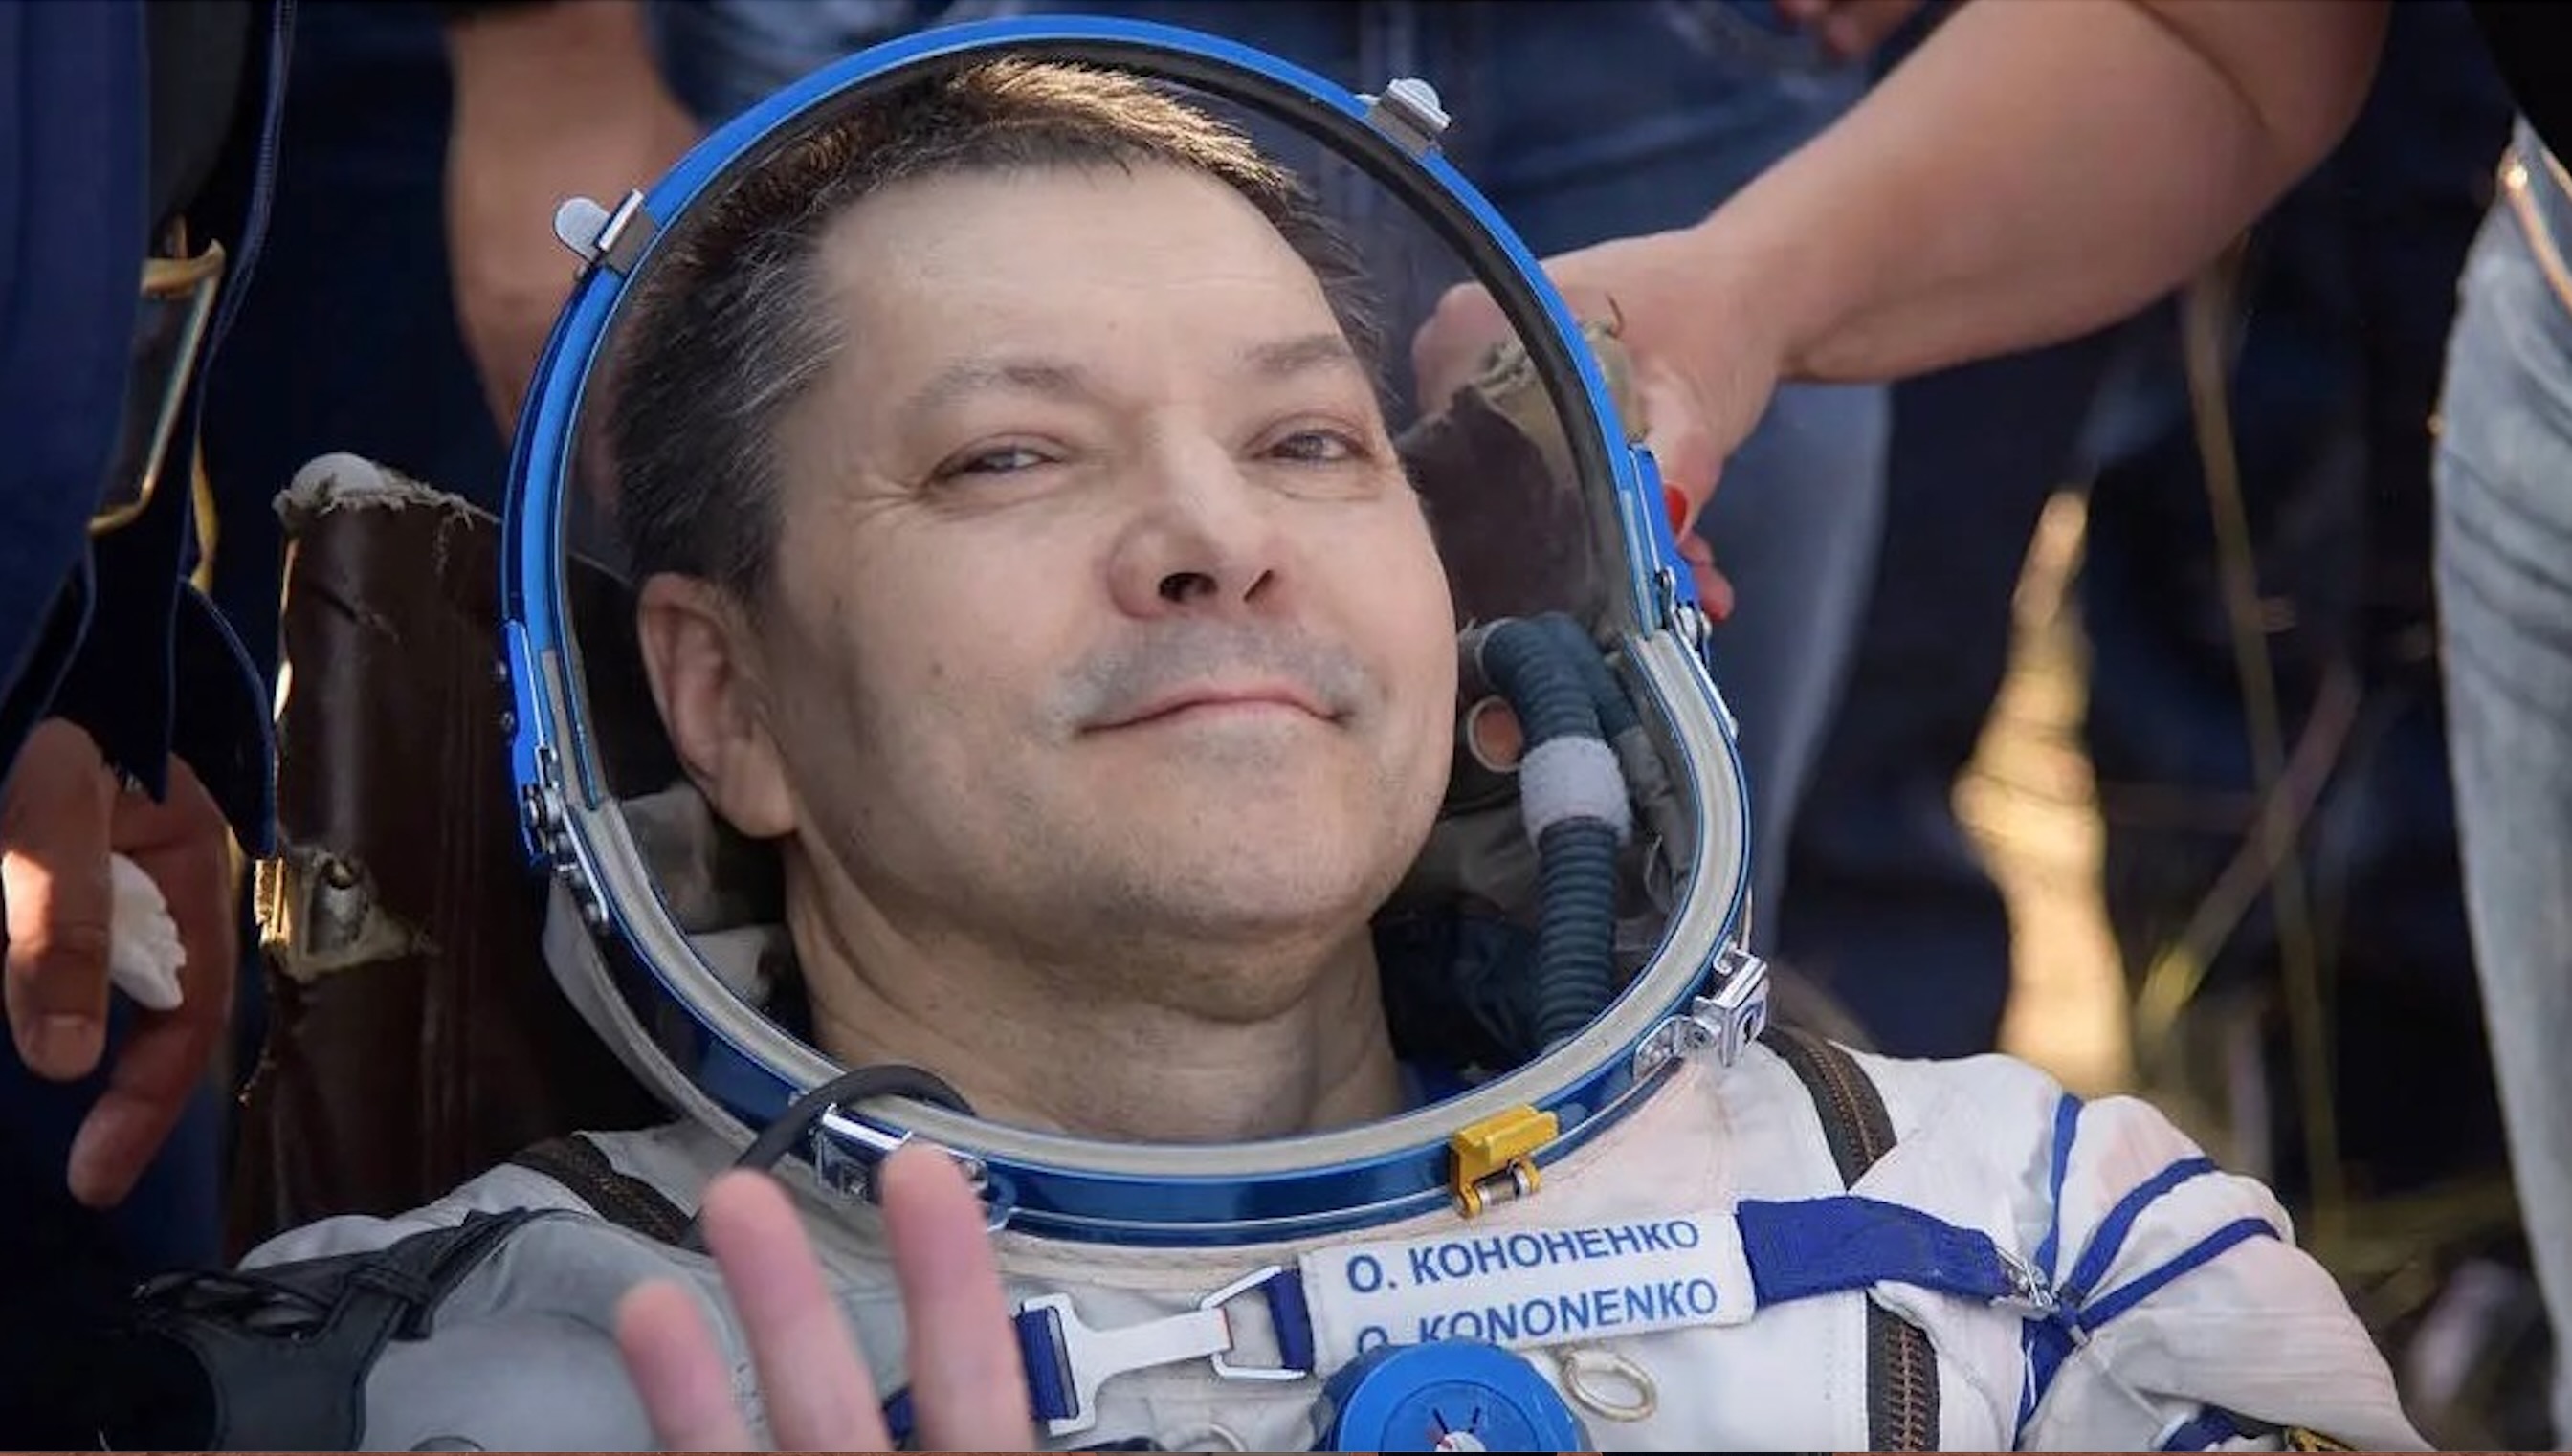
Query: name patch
(1528, 1287)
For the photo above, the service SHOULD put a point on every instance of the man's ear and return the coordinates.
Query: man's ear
(706, 681)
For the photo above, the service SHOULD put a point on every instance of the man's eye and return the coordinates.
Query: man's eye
(1005, 460)
(1317, 447)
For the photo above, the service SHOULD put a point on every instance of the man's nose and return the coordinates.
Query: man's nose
(1201, 536)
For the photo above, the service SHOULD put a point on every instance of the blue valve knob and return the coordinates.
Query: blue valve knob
(1446, 1395)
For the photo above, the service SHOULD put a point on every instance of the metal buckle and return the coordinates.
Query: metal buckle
(1225, 1369)
(1093, 1356)
(169, 328)
(2030, 1289)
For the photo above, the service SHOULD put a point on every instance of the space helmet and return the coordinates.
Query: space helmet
(1576, 923)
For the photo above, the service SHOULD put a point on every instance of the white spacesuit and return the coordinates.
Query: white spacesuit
(1617, 1210)
(1694, 1278)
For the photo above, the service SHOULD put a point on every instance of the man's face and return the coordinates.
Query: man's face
(1103, 613)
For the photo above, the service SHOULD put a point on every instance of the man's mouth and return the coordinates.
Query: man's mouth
(1204, 700)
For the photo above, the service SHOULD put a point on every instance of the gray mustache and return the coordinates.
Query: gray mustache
(1118, 680)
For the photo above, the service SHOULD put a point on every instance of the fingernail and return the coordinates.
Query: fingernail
(63, 1045)
(103, 1167)
(1675, 503)
(1714, 593)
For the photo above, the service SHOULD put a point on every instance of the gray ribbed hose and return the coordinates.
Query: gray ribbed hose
(1573, 800)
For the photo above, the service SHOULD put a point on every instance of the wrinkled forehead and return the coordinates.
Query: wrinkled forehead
(1078, 284)
(1142, 227)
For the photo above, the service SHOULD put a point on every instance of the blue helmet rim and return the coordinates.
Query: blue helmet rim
(749, 1069)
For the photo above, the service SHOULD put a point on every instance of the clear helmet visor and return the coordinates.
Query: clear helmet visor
(746, 405)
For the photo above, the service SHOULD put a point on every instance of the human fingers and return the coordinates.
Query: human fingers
(679, 1371)
(54, 833)
(969, 1384)
(183, 844)
(818, 1391)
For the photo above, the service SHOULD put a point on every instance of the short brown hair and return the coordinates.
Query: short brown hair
(730, 328)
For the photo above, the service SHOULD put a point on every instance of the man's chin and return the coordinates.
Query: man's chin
(1243, 891)
(1274, 778)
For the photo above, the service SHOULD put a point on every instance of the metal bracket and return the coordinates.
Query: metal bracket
(1685, 619)
(1696, 631)
(548, 821)
(1408, 112)
(604, 238)
(1721, 1023)
(848, 1151)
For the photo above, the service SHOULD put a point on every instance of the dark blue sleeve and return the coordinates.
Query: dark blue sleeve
(74, 166)
(106, 632)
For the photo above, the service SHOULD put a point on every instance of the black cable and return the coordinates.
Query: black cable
(857, 1084)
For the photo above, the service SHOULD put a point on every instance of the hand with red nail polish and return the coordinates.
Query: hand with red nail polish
(1702, 373)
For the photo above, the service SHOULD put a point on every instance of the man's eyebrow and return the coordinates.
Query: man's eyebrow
(1285, 357)
(1055, 378)
(1063, 379)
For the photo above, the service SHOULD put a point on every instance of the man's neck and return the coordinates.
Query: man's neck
(1099, 1051)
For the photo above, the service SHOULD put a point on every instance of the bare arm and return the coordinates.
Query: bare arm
(551, 99)
(2038, 167)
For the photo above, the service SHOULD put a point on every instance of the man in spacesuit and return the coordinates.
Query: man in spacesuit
(1024, 557)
